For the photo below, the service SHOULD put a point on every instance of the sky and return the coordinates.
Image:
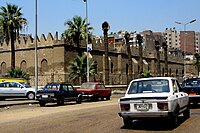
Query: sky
(125, 15)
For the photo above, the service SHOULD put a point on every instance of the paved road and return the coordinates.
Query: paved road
(88, 117)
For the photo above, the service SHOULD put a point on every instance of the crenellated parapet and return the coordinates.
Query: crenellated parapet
(27, 41)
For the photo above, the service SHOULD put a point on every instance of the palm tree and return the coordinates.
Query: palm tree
(12, 21)
(157, 47)
(78, 69)
(76, 31)
(127, 37)
(197, 63)
(140, 41)
(18, 73)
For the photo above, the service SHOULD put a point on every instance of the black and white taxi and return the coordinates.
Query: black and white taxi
(155, 97)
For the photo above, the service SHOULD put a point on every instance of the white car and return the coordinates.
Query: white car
(156, 97)
(16, 89)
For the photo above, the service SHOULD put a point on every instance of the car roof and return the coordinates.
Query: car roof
(151, 78)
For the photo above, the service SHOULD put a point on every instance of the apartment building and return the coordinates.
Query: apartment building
(172, 39)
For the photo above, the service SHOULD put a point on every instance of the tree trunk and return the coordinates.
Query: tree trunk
(12, 49)
(106, 57)
(140, 60)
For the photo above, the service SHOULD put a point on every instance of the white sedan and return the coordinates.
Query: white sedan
(157, 97)
(16, 89)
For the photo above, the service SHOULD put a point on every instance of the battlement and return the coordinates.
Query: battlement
(29, 42)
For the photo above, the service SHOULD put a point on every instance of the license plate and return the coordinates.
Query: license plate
(142, 107)
(44, 96)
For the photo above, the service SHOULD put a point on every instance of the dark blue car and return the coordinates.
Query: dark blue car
(58, 93)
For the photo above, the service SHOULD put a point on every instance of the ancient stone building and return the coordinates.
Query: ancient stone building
(54, 57)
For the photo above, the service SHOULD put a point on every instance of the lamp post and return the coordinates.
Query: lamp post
(184, 48)
(86, 11)
(105, 28)
(36, 56)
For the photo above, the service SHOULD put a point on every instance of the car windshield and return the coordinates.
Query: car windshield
(87, 86)
(52, 87)
(191, 83)
(149, 86)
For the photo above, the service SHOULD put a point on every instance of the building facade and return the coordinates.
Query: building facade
(54, 56)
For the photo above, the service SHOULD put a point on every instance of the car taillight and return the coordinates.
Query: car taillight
(162, 106)
(125, 107)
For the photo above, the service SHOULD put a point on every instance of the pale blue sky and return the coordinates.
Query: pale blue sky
(126, 15)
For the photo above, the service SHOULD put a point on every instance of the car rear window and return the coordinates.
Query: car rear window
(52, 87)
(149, 86)
(191, 83)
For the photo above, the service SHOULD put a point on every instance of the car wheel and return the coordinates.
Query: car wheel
(2, 99)
(186, 113)
(108, 97)
(42, 104)
(174, 120)
(60, 102)
(31, 95)
(79, 100)
(95, 98)
(127, 122)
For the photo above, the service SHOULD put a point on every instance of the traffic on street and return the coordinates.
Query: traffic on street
(88, 117)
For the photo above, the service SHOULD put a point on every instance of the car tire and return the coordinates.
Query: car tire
(79, 100)
(174, 120)
(127, 122)
(95, 98)
(31, 95)
(2, 99)
(60, 102)
(108, 97)
(186, 113)
(42, 104)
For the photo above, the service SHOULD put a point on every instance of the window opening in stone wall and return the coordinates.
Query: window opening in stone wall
(3, 68)
(23, 65)
(44, 66)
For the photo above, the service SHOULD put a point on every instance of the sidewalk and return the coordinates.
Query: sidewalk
(16, 101)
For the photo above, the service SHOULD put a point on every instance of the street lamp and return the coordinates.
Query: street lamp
(88, 71)
(36, 56)
(184, 24)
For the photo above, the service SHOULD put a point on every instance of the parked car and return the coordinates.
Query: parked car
(156, 97)
(58, 93)
(16, 89)
(192, 88)
(95, 90)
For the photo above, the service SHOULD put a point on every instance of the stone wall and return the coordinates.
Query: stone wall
(54, 57)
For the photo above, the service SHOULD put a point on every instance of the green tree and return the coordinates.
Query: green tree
(78, 69)
(17, 73)
(76, 31)
(11, 22)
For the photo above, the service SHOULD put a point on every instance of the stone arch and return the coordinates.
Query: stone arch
(3, 68)
(44, 66)
(23, 65)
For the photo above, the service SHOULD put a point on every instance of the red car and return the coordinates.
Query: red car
(94, 91)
